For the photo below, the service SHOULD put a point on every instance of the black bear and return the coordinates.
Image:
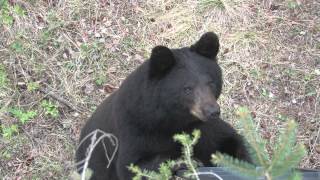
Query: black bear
(175, 91)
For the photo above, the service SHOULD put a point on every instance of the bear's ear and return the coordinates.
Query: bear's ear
(161, 61)
(207, 46)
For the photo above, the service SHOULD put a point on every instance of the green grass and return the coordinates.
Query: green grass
(100, 80)
(9, 131)
(32, 86)
(5, 16)
(3, 77)
(50, 108)
(211, 3)
(23, 116)
(292, 4)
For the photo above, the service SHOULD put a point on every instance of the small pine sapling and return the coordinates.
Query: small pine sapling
(285, 156)
(165, 169)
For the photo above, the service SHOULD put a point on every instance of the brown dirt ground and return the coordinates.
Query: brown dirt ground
(80, 51)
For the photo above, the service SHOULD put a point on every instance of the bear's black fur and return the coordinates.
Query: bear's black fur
(175, 91)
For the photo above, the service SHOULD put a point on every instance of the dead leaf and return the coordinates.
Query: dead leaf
(109, 88)
(274, 7)
(225, 51)
(317, 148)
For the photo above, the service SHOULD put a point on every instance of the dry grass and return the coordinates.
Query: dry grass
(79, 51)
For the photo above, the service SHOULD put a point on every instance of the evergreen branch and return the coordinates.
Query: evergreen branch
(284, 145)
(260, 156)
(142, 173)
(190, 162)
(165, 169)
(196, 136)
(187, 149)
(235, 165)
(291, 160)
(253, 154)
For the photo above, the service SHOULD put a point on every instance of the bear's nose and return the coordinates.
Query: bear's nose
(212, 112)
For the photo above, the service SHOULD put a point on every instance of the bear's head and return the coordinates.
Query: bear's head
(188, 80)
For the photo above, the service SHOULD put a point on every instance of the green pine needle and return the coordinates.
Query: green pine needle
(259, 153)
(291, 160)
(165, 169)
(286, 154)
(235, 165)
(142, 173)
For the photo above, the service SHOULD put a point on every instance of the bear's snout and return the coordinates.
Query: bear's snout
(211, 111)
(205, 105)
(206, 111)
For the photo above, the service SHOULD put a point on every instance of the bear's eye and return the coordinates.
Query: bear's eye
(188, 89)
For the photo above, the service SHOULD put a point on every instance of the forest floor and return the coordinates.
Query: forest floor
(60, 59)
